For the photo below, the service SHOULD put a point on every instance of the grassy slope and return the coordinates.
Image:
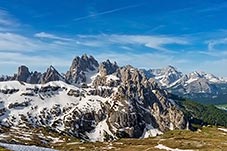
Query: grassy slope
(208, 138)
(205, 138)
(3, 149)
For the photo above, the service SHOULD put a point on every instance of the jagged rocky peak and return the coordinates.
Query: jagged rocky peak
(194, 75)
(84, 63)
(23, 73)
(81, 68)
(170, 70)
(107, 67)
(5, 78)
(209, 77)
(165, 76)
(35, 77)
(129, 73)
(51, 75)
(140, 95)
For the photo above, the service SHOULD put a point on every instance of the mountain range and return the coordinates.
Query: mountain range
(98, 101)
(200, 86)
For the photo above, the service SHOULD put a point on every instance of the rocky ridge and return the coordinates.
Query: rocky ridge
(92, 101)
(195, 85)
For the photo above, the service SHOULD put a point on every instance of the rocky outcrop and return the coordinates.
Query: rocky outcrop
(143, 103)
(51, 75)
(5, 78)
(107, 68)
(35, 78)
(80, 68)
(23, 73)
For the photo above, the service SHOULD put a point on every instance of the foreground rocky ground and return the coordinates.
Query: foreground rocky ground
(205, 139)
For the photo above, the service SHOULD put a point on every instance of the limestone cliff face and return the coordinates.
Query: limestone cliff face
(138, 102)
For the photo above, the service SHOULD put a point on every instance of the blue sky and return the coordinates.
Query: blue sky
(191, 35)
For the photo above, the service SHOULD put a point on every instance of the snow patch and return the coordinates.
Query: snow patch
(191, 80)
(15, 147)
(150, 131)
(160, 146)
(98, 134)
(111, 77)
(222, 129)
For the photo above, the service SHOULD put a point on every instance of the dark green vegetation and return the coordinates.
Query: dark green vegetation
(202, 114)
(209, 98)
(218, 97)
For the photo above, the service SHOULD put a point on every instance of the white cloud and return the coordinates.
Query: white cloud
(212, 53)
(146, 60)
(51, 36)
(104, 40)
(155, 42)
(9, 61)
(15, 42)
(213, 43)
(217, 67)
(33, 60)
(7, 21)
(19, 43)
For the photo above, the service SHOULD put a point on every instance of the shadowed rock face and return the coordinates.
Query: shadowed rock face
(51, 75)
(35, 78)
(107, 68)
(144, 103)
(138, 102)
(23, 73)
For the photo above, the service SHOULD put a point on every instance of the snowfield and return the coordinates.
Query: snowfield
(45, 103)
(15, 147)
